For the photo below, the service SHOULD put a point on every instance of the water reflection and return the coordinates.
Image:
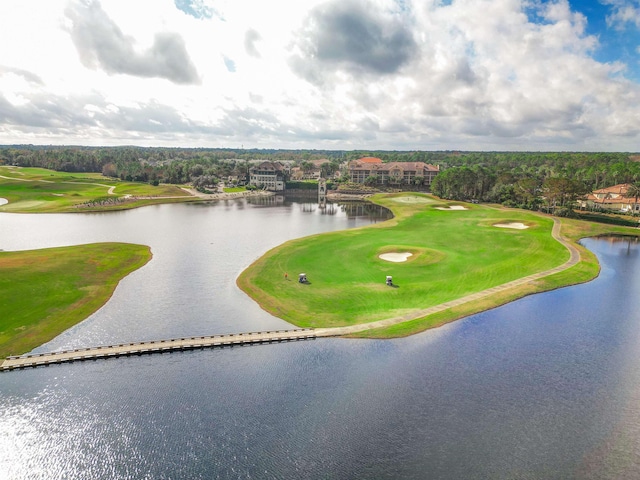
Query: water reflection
(266, 201)
(368, 210)
(311, 204)
(625, 240)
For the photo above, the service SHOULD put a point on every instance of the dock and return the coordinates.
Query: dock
(155, 346)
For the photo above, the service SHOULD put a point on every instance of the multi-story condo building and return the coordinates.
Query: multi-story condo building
(392, 173)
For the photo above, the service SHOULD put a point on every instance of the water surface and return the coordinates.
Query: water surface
(547, 387)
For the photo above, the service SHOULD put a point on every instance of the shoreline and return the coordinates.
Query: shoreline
(481, 301)
(580, 267)
(225, 195)
(574, 259)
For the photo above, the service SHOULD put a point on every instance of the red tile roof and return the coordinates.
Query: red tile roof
(620, 189)
(611, 195)
(369, 160)
(406, 166)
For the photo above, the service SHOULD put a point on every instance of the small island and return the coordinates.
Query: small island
(44, 292)
(465, 257)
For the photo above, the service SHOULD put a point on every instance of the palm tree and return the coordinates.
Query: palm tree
(633, 191)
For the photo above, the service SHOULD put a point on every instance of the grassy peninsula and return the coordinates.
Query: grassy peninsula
(454, 253)
(44, 292)
(37, 190)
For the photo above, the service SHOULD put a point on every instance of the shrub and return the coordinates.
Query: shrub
(566, 212)
(313, 185)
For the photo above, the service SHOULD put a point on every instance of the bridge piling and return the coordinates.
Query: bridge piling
(14, 362)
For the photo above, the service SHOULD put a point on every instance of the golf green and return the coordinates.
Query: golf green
(450, 250)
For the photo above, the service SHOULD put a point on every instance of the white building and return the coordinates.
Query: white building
(268, 176)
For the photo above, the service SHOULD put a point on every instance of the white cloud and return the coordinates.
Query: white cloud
(101, 43)
(624, 12)
(471, 74)
(349, 35)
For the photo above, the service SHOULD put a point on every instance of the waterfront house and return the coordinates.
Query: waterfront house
(268, 176)
(611, 198)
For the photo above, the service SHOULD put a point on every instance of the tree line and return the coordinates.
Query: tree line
(153, 164)
(524, 179)
(535, 181)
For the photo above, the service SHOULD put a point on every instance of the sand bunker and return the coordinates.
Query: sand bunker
(3, 201)
(412, 199)
(396, 257)
(453, 207)
(516, 225)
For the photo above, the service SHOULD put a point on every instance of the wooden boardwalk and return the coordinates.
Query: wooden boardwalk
(156, 346)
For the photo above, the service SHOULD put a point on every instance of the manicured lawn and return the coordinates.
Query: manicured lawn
(587, 269)
(38, 190)
(44, 292)
(455, 253)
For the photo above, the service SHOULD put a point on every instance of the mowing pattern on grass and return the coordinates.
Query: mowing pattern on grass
(347, 279)
(40, 190)
(44, 292)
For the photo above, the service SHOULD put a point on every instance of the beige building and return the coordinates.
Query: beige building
(313, 174)
(392, 173)
(268, 176)
(611, 198)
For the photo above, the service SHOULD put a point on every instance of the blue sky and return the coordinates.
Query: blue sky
(618, 40)
(325, 74)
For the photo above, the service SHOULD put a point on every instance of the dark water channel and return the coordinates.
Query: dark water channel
(545, 387)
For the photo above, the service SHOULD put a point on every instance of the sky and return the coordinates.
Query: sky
(528, 75)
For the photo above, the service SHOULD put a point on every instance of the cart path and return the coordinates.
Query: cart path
(574, 258)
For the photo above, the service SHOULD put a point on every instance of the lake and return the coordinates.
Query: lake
(545, 387)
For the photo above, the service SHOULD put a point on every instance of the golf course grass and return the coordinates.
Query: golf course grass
(455, 252)
(37, 190)
(44, 292)
(439, 251)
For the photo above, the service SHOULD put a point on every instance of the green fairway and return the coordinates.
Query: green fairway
(44, 292)
(36, 190)
(454, 253)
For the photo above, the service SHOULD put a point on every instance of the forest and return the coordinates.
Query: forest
(523, 179)
(148, 164)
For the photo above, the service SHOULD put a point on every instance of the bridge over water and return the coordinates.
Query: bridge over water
(156, 346)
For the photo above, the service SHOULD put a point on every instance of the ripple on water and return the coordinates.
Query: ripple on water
(540, 388)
